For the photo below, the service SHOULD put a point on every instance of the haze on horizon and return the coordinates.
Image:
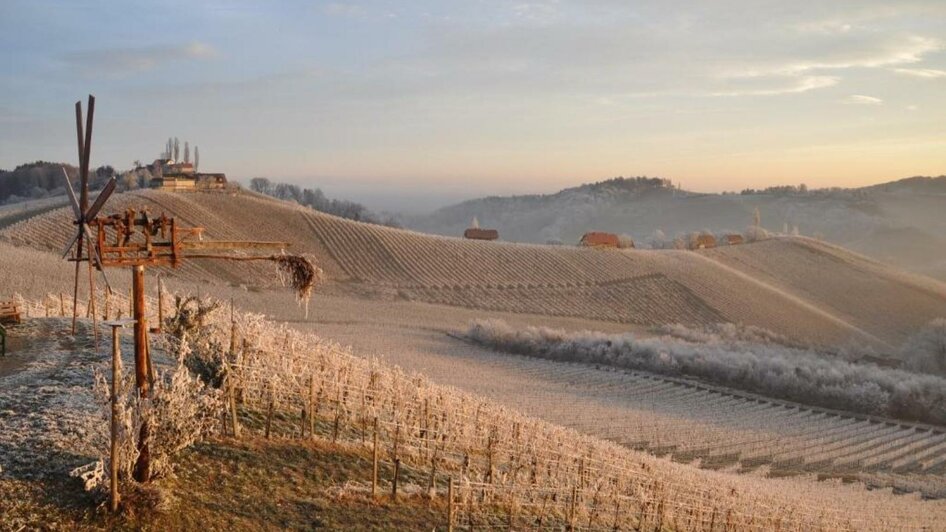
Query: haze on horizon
(436, 101)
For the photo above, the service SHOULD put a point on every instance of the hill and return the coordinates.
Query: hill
(806, 290)
(897, 222)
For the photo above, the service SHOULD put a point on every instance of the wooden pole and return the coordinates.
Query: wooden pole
(450, 505)
(62, 305)
(397, 473)
(269, 416)
(231, 388)
(160, 306)
(312, 406)
(142, 365)
(116, 377)
(108, 299)
(374, 461)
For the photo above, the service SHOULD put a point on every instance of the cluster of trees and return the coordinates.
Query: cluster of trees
(172, 150)
(315, 199)
(782, 190)
(42, 178)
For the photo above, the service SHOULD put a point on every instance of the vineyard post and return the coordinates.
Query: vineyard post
(269, 415)
(160, 306)
(311, 406)
(62, 306)
(572, 508)
(114, 497)
(397, 472)
(231, 392)
(108, 299)
(374, 459)
(450, 505)
(46, 306)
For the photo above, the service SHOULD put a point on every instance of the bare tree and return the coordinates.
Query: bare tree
(196, 157)
(177, 149)
(187, 152)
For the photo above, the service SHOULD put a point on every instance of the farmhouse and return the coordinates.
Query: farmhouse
(596, 239)
(734, 239)
(475, 233)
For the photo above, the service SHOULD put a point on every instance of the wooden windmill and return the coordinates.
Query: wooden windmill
(83, 212)
(135, 239)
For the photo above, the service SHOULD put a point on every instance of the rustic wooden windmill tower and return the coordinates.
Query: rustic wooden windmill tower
(82, 211)
(134, 239)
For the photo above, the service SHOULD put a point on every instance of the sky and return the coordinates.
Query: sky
(412, 105)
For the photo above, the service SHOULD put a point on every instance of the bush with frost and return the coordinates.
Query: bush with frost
(742, 358)
(180, 411)
(926, 349)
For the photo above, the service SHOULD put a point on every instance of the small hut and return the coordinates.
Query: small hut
(734, 239)
(597, 239)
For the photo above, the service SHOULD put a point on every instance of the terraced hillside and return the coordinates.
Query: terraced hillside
(803, 289)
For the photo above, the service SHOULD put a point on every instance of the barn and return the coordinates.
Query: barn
(597, 239)
(475, 233)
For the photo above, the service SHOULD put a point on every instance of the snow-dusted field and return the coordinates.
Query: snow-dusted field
(405, 296)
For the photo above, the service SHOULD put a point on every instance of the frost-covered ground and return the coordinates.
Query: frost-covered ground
(49, 420)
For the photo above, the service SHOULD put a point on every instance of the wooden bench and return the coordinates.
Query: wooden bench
(9, 312)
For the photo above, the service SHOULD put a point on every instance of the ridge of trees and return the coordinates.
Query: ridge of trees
(315, 199)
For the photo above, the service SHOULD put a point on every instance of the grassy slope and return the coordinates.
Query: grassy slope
(251, 484)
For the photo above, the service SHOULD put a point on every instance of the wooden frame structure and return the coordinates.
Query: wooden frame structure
(135, 239)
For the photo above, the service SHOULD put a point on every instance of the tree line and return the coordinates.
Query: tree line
(40, 179)
(316, 199)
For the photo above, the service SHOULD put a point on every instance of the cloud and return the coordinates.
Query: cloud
(125, 61)
(340, 9)
(860, 99)
(801, 84)
(921, 72)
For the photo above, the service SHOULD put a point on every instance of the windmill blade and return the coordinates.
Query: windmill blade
(101, 199)
(87, 152)
(72, 195)
(71, 243)
(98, 259)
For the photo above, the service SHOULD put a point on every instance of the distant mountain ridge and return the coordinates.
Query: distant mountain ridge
(899, 222)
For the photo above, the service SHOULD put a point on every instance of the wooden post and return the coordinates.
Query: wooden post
(572, 507)
(114, 496)
(142, 365)
(62, 306)
(312, 406)
(374, 460)
(397, 472)
(269, 416)
(113, 465)
(450, 505)
(158, 329)
(108, 300)
(231, 387)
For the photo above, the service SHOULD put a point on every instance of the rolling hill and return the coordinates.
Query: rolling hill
(899, 222)
(804, 289)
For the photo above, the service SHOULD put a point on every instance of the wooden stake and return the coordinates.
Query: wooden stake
(231, 385)
(113, 456)
(450, 505)
(62, 306)
(158, 329)
(397, 472)
(142, 365)
(312, 406)
(571, 508)
(374, 460)
(269, 416)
